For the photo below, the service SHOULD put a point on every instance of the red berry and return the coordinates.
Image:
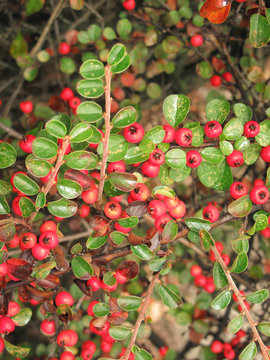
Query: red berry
(120, 278)
(67, 355)
(66, 94)
(93, 283)
(183, 137)
(13, 308)
(213, 129)
(241, 333)
(105, 347)
(90, 307)
(114, 106)
(211, 213)
(216, 347)
(74, 102)
(238, 189)
(200, 280)
(48, 327)
(27, 241)
(163, 350)
(26, 107)
(157, 157)
(195, 270)
(40, 252)
(258, 182)
(119, 93)
(127, 79)
(196, 40)
(2, 345)
(84, 211)
(265, 153)
(169, 134)
(48, 225)
(64, 48)
(235, 297)
(171, 203)
(14, 242)
(162, 221)
(149, 169)
(90, 196)
(64, 297)
(26, 143)
(229, 354)
(226, 259)
(235, 159)
(129, 5)
(89, 345)
(112, 210)
(209, 286)
(259, 194)
(194, 158)
(48, 239)
(134, 133)
(99, 330)
(247, 306)
(227, 76)
(179, 211)
(216, 80)
(156, 208)
(141, 192)
(117, 166)
(6, 325)
(251, 129)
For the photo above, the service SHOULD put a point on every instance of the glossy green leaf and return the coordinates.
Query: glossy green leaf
(197, 133)
(251, 154)
(157, 263)
(101, 309)
(141, 354)
(134, 155)
(196, 224)
(164, 175)
(206, 239)
(116, 54)
(68, 189)
(119, 332)
(212, 155)
(40, 200)
(5, 188)
(93, 243)
(218, 177)
(235, 324)
(62, 208)
(142, 251)
(123, 181)
(156, 134)
(176, 158)
(129, 303)
(81, 159)
(26, 185)
(233, 129)
(125, 117)
(27, 207)
(147, 146)
(164, 190)
(121, 66)
(241, 244)
(170, 231)
(240, 263)
(44, 148)
(37, 167)
(117, 237)
(249, 352)
(175, 109)
(259, 34)
(242, 112)
(178, 175)
(222, 300)
(219, 276)
(23, 317)
(56, 128)
(17, 351)
(240, 207)
(81, 132)
(8, 155)
(89, 111)
(169, 298)
(258, 296)
(109, 278)
(217, 110)
(4, 208)
(118, 147)
(264, 328)
(92, 69)
(128, 221)
(90, 89)
(81, 268)
(241, 144)
(261, 223)
(226, 147)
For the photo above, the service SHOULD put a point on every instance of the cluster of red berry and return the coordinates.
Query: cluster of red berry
(226, 348)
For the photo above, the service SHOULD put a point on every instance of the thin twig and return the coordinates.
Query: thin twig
(141, 316)
(107, 117)
(245, 311)
(11, 131)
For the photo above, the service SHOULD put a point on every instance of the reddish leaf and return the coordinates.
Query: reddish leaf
(57, 104)
(19, 268)
(82, 286)
(3, 304)
(135, 239)
(3, 281)
(84, 180)
(215, 11)
(62, 263)
(39, 295)
(7, 233)
(137, 208)
(128, 269)
(48, 307)
(118, 318)
(24, 294)
(50, 282)
(114, 307)
(218, 64)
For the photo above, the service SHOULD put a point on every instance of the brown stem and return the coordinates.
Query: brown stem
(241, 302)
(107, 116)
(11, 131)
(141, 316)
(55, 170)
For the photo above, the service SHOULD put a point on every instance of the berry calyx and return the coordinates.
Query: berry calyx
(194, 158)
(112, 210)
(141, 192)
(157, 157)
